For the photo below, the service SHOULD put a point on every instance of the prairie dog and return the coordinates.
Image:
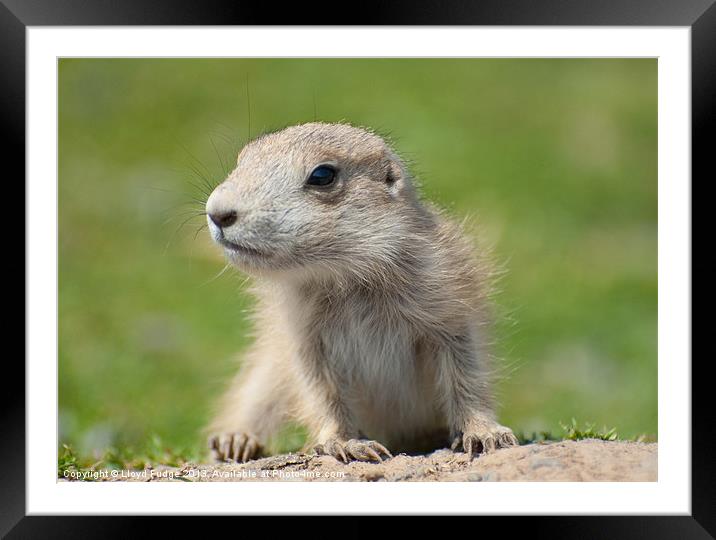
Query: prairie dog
(372, 307)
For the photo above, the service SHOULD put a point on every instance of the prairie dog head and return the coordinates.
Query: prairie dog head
(324, 198)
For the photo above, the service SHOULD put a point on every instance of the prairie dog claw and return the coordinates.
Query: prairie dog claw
(239, 447)
(484, 439)
(353, 450)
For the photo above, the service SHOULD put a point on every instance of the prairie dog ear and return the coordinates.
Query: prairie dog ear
(396, 177)
(394, 172)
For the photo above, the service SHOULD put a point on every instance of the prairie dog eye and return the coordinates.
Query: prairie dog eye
(323, 175)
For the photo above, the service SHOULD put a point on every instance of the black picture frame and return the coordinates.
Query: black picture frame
(699, 15)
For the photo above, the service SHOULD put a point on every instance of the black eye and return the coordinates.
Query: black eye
(323, 175)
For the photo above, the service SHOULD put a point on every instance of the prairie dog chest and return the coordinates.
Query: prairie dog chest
(366, 345)
(388, 384)
(368, 351)
(375, 359)
(374, 351)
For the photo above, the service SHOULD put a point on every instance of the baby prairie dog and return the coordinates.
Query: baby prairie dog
(372, 309)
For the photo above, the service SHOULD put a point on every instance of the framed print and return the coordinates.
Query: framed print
(437, 261)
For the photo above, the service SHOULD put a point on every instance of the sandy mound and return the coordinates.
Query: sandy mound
(566, 461)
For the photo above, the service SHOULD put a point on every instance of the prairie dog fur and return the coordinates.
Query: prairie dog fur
(372, 310)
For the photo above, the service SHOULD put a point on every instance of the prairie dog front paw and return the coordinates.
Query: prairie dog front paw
(239, 447)
(484, 436)
(352, 450)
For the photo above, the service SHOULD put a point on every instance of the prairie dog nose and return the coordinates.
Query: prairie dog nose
(219, 209)
(224, 219)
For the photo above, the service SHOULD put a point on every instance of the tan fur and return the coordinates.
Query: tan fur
(373, 315)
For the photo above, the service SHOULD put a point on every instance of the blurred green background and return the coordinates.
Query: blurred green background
(556, 159)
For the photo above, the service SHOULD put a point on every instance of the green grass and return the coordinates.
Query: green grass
(555, 159)
(574, 433)
(153, 452)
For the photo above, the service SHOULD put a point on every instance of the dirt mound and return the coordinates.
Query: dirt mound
(566, 461)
